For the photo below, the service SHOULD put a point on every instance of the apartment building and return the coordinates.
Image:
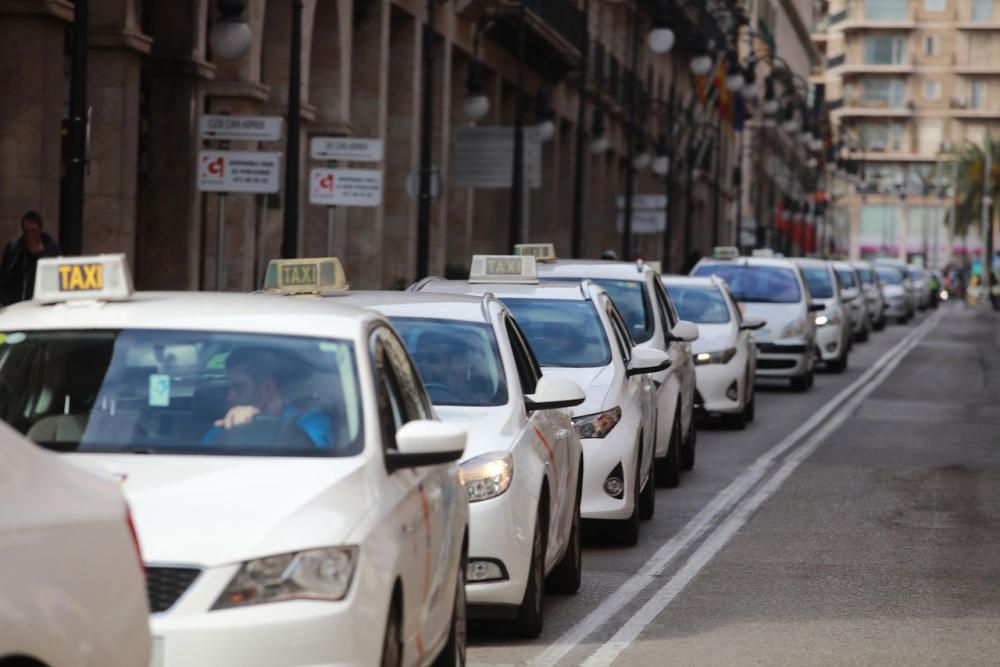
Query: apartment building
(908, 81)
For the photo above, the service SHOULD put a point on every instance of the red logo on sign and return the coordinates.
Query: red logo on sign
(214, 166)
(326, 183)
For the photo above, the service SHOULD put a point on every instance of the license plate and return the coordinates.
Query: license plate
(156, 653)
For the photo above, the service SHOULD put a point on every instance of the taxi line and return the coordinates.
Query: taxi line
(859, 391)
(724, 503)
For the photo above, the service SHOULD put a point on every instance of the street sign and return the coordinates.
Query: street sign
(239, 171)
(644, 222)
(646, 202)
(345, 187)
(347, 149)
(484, 157)
(413, 183)
(748, 238)
(240, 128)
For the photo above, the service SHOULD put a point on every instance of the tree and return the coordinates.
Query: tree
(969, 191)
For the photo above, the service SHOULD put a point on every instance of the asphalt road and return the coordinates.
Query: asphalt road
(853, 524)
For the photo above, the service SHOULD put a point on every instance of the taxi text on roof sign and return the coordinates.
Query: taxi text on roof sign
(542, 252)
(725, 252)
(306, 276)
(98, 278)
(503, 269)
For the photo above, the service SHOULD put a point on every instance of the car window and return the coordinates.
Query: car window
(527, 367)
(459, 362)
(700, 304)
(890, 276)
(632, 302)
(819, 281)
(562, 332)
(865, 274)
(670, 315)
(763, 284)
(415, 404)
(622, 338)
(847, 278)
(178, 392)
(388, 394)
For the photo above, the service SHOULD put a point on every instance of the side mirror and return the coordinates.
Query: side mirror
(645, 360)
(554, 393)
(816, 307)
(425, 442)
(684, 331)
(751, 323)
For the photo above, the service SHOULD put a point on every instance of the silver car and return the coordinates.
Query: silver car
(833, 322)
(872, 289)
(851, 294)
(898, 300)
(909, 290)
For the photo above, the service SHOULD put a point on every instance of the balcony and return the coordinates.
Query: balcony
(859, 68)
(856, 108)
(870, 15)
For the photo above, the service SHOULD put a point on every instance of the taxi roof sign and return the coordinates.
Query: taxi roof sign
(311, 275)
(542, 252)
(763, 252)
(725, 252)
(88, 278)
(503, 269)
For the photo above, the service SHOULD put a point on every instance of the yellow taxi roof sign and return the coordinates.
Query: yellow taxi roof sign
(725, 252)
(542, 252)
(503, 269)
(311, 275)
(88, 278)
(763, 252)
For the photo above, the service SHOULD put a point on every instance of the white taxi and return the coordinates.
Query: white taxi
(577, 334)
(653, 323)
(72, 584)
(834, 321)
(725, 353)
(296, 502)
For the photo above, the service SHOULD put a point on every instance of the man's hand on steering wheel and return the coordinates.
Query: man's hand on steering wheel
(239, 415)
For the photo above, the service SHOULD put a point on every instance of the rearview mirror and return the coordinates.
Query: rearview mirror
(424, 442)
(751, 323)
(554, 393)
(684, 331)
(645, 360)
(816, 307)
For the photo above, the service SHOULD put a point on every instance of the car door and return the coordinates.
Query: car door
(548, 432)
(425, 501)
(680, 354)
(744, 339)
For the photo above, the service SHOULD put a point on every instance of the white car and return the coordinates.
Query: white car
(872, 289)
(895, 291)
(523, 462)
(577, 334)
(833, 322)
(653, 323)
(725, 353)
(773, 289)
(296, 501)
(854, 298)
(72, 586)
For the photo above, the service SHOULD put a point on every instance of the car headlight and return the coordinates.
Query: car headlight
(316, 574)
(823, 320)
(597, 425)
(793, 329)
(720, 357)
(487, 475)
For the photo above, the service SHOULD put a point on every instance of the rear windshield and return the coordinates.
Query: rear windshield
(562, 333)
(632, 302)
(761, 284)
(890, 276)
(819, 281)
(179, 392)
(701, 305)
(458, 361)
(866, 275)
(847, 278)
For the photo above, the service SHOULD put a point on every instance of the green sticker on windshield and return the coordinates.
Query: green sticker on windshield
(159, 390)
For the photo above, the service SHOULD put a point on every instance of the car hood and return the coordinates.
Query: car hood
(778, 316)
(490, 429)
(595, 382)
(215, 510)
(893, 290)
(714, 337)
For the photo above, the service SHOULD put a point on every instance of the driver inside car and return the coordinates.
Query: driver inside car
(447, 366)
(258, 383)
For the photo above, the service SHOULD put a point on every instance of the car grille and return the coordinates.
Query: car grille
(775, 364)
(771, 348)
(166, 584)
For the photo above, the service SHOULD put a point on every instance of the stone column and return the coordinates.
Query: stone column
(33, 80)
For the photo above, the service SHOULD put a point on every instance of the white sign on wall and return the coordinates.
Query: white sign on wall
(240, 128)
(345, 187)
(484, 157)
(644, 221)
(347, 149)
(239, 171)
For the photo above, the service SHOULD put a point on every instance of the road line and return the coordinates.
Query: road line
(611, 650)
(704, 519)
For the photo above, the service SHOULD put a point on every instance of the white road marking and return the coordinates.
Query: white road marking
(609, 652)
(703, 520)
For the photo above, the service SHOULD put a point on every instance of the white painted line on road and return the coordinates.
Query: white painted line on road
(609, 652)
(703, 520)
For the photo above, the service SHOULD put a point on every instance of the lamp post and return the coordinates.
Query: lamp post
(426, 137)
(576, 229)
(517, 178)
(290, 231)
(71, 219)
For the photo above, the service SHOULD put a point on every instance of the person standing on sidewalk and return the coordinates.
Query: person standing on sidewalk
(20, 257)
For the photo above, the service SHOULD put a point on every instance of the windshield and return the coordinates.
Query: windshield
(847, 278)
(701, 305)
(890, 276)
(630, 299)
(819, 281)
(562, 333)
(459, 362)
(180, 392)
(763, 284)
(866, 275)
